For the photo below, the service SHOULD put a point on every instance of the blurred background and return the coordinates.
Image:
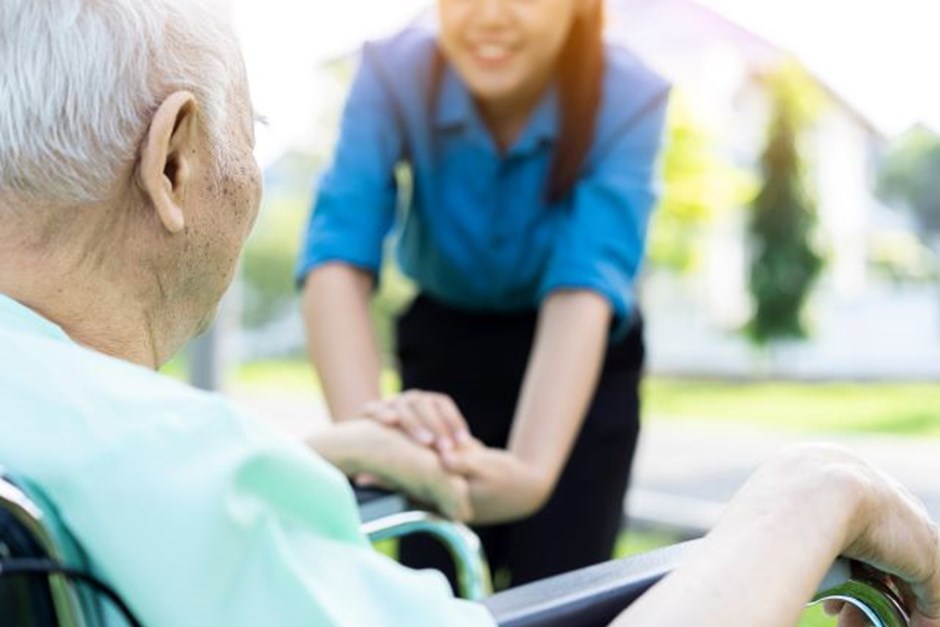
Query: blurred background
(792, 288)
(854, 81)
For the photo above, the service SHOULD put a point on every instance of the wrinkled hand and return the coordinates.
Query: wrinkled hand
(365, 447)
(429, 418)
(891, 529)
(402, 464)
(897, 536)
(779, 535)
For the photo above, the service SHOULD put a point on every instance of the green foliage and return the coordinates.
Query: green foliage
(267, 270)
(268, 264)
(911, 174)
(898, 257)
(784, 265)
(699, 183)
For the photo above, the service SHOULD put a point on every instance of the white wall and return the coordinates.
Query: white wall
(885, 332)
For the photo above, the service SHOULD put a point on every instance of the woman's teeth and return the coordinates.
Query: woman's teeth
(492, 52)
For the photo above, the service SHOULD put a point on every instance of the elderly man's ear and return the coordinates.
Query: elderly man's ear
(167, 157)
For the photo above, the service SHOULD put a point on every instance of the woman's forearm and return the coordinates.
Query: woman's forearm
(507, 490)
(340, 338)
(560, 380)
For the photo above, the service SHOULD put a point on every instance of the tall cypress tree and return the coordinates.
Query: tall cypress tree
(784, 264)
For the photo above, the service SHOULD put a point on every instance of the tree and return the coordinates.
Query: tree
(698, 183)
(910, 174)
(784, 263)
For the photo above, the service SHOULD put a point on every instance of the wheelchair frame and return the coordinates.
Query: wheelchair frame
(587, 597)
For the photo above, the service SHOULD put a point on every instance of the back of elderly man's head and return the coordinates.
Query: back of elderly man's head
(127, 181)
(80, 79)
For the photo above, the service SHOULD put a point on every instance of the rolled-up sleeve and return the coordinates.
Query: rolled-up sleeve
(601, 245)
(355, 201)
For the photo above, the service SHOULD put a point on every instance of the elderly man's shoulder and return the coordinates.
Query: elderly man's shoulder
(68, 403)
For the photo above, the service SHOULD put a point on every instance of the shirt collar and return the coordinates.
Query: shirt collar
(455, 108)
(454, 104)
(15, 315)
(544, 122)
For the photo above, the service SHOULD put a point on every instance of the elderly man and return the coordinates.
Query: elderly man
(127, 188)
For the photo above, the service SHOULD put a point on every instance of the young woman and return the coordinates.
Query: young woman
(532, 147)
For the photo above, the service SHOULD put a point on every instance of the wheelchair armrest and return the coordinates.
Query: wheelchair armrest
(387, 515)
(586, 597)
(594, 596)
(376, 503)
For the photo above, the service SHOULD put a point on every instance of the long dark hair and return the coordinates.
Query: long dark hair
(580, 76)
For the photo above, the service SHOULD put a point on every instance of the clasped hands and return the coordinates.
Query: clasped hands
(421, 444)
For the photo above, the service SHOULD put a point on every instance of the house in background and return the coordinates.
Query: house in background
(864, 324)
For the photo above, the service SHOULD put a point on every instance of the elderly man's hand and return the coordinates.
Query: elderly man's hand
(885, 525)
(365, 446)
(889, 528)
(782, 531)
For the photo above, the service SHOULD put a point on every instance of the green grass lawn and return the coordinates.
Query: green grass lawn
(898, 408)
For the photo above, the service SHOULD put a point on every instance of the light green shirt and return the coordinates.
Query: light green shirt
(196, 512)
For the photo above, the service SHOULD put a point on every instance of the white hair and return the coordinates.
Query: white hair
(80, 80)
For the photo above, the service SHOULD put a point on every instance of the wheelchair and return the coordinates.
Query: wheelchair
(44, 581)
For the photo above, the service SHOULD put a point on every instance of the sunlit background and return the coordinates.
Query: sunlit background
(877, 53)
(731, 377)
(865, 66)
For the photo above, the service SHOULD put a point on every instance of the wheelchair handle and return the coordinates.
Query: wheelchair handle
(866, 589)
(473, 573)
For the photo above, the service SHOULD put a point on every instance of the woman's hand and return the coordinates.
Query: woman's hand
(363, 446)
(429, 418)
(502, 487)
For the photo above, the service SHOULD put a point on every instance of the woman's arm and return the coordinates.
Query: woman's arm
(340, 338)
(780, 534)
(353, 212)
(560, 379)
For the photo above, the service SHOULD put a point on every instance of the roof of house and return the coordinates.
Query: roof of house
(655, 29)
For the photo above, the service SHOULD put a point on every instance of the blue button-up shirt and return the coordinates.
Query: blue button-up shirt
(478, 232)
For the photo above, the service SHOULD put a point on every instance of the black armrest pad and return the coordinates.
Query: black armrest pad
(587, 597)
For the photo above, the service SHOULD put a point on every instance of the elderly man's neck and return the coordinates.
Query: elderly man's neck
(69, 284)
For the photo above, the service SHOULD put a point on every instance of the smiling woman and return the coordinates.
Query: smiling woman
(532, 148)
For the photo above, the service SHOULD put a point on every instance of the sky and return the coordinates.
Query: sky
(878, 54)
(284, 41)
